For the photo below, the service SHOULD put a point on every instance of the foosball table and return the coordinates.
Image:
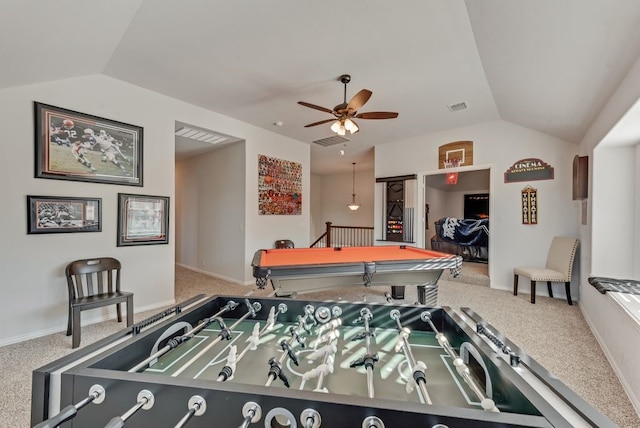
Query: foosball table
(236, 361)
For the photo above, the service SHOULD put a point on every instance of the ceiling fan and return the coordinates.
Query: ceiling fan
(345, 113)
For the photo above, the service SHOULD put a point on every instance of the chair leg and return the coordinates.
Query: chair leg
(567, 287)
(129, 311)
(549, 289)
(515, 284)
(533, 291)
(75, 328)
(69, 319)
(118, 312)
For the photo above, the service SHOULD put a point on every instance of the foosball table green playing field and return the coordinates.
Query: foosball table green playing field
(230, 361)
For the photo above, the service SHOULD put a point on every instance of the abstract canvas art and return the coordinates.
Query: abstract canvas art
(279, 186)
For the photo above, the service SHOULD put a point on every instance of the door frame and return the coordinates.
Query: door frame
(421, 198)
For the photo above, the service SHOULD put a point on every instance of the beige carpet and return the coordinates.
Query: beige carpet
(552, 332)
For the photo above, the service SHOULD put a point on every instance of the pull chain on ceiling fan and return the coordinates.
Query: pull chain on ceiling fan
(345, 113)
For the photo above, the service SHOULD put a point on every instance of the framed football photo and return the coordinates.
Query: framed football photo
(76, 146)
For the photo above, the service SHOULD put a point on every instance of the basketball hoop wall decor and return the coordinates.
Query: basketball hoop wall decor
(462, 151)
(450, 167)
(453, 155)
(529, 202)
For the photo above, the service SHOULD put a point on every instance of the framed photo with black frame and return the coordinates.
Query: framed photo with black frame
(60, 214)
(76, 146)
(142, 220)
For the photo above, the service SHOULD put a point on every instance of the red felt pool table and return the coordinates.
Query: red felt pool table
(306, 270)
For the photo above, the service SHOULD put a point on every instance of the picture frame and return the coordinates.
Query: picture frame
(62, 214)
(70, 145)
(142, 220)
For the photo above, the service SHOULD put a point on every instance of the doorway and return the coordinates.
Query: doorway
(441, 200)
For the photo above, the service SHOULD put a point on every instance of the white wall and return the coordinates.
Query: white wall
(210, 202)
(617, 332)
(261, 231)
(336, 195)
(500, 144)
(636, 210)
(33, 284)
(32, 266)
(317, 227)
(612, 255)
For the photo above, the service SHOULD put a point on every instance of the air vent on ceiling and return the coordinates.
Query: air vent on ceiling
(457, 106)
(331, 141)
(205, 137)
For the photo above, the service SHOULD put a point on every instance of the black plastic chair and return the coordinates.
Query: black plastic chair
(284, 243)
(94, 283)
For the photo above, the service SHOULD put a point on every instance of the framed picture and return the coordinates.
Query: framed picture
(142, 220)
(58, 214)
(80, 147)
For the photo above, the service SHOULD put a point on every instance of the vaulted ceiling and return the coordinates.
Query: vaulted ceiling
(548, 65)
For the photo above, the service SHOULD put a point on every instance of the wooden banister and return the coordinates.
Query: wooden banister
(345, 236)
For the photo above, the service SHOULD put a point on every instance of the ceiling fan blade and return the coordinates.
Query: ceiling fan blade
(359, 100)
(320, 123)
(324, 109)
(377, 115)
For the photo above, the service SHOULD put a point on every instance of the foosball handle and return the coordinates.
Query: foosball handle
(96, 396)
(64, 415)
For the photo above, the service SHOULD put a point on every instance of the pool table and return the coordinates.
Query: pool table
(306, 270)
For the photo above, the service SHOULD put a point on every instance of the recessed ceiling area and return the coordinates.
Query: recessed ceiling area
(193, 140)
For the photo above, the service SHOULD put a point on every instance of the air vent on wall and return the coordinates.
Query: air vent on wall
(457, 106)
(331, 141)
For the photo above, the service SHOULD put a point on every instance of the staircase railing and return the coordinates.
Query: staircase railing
(345, 236)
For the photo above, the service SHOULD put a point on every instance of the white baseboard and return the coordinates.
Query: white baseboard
(85, 321)
(215, 275)
(635, 400)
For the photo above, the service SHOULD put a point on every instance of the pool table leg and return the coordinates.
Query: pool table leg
(397, 291)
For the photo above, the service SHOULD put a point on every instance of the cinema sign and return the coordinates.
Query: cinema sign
(529, 169)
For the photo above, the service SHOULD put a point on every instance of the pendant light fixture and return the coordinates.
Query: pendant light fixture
(353, 206)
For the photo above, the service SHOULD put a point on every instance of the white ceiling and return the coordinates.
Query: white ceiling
(549, 65)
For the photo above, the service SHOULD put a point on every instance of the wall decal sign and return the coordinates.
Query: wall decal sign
(529, 205)
(530, 169)
(279, 186)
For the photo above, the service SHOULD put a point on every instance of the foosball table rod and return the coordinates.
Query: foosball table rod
(487, 403)
(225, 333)
(251, 412)
(372, 422)
(228, 370)
(197, 406)
(96, 396)
(310, 418)
(369, 359)
(175, 342)
(275, 365)
(145, 401)
(416, 367)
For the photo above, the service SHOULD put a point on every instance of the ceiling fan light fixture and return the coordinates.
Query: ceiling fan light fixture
(348, 125)
(346, 110)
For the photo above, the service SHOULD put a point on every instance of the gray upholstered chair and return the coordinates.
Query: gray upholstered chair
(558, 268)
